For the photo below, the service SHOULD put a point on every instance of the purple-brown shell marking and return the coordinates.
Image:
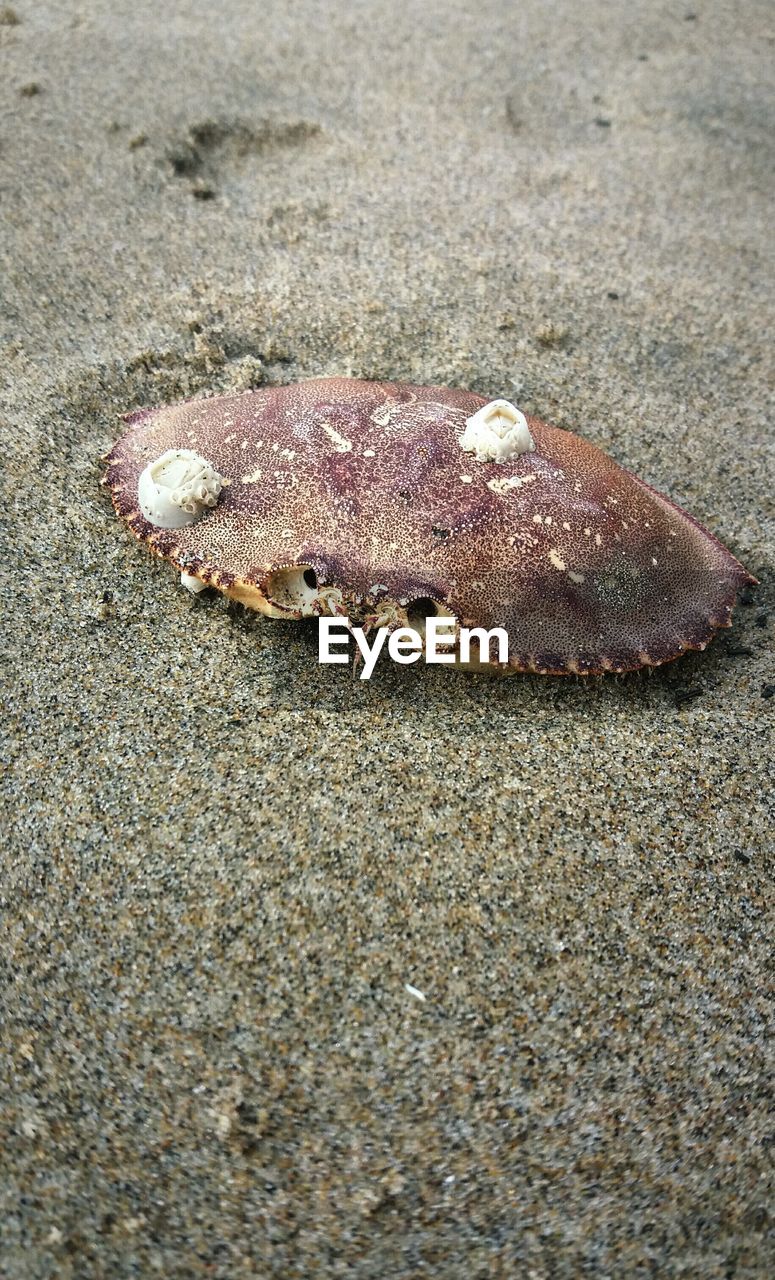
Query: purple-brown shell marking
(359, 498)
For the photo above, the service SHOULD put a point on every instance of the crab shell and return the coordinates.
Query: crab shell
(351, 497)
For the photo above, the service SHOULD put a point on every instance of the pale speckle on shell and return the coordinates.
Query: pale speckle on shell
(349, 484)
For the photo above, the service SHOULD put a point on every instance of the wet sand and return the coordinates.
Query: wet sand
(225, 866)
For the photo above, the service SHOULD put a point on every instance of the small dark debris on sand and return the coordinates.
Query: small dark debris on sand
(684, 696)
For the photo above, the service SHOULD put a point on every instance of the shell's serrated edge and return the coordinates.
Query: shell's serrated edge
(232, 588)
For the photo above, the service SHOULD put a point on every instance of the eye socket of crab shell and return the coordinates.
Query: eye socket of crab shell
(420, 610)
(177, 488)
(497, 432)
(294, 589)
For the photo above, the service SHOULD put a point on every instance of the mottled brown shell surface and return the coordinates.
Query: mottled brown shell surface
(586, 567)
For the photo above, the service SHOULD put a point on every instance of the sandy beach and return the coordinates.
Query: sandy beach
(434, 975)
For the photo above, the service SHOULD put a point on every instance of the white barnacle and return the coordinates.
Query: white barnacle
(177, 488)
(497, 432)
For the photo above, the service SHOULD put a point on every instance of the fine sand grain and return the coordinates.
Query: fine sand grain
(432, 975)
